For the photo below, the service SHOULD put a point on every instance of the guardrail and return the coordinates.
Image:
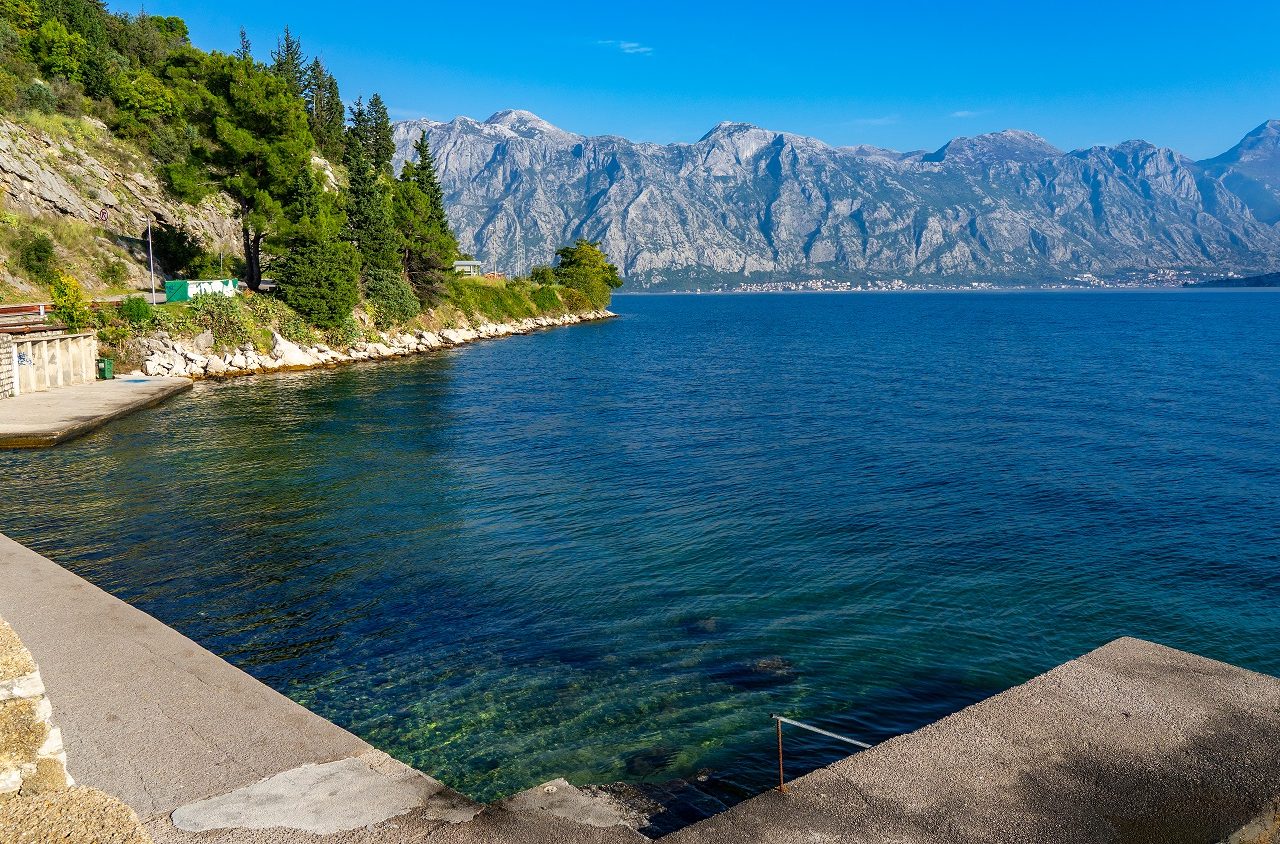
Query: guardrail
(48, 362)
(780, 720)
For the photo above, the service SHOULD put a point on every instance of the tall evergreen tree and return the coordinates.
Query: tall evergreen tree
(430, 247)
(317, 269)
(245, 51)
(381, 142)
(425, 176)
(325, 111)
(372, 227)
(289, 62)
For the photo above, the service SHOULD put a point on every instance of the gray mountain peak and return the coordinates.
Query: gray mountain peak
(750, 201)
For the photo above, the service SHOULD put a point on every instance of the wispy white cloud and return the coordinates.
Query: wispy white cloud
(967, 113)
(886, 120)
(631, 48)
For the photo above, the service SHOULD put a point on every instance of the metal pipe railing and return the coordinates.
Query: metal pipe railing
(780, 720)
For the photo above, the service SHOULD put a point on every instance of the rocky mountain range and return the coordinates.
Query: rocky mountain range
(745, 203)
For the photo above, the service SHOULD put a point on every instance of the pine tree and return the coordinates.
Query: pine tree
(245, 52)
(262, 144)
(381, 142)
(430, 247)
(425, 175)
(371, 225)
(325, 110)
(317, 269)
(289, 62)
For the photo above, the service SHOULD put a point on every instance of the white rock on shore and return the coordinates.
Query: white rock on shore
(168, 357)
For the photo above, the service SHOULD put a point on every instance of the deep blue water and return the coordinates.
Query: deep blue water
(612, 551)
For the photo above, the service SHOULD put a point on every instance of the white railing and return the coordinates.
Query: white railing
(47, 362)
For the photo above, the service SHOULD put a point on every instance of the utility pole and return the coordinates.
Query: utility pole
(151, 257)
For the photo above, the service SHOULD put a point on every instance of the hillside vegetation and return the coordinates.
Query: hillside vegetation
(248, 167)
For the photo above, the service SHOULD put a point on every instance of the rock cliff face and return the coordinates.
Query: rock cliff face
(748, 201)
(79, 173)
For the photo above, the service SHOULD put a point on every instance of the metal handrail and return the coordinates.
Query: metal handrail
(780, 720)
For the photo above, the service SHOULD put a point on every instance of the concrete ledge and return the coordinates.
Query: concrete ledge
(1132, 742)
(41, 420)
(158, 721)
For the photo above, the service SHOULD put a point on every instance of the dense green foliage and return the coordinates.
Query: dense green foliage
(429, 245)
(585, 268)
(136, 310)
(70, 307)
(329, 232)
(317, 269)
(36, 258)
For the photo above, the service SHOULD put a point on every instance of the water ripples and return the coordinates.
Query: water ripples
(610, 552)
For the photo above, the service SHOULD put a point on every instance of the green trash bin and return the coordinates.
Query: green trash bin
(106, 369)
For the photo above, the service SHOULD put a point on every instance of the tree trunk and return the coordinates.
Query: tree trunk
(252, 257)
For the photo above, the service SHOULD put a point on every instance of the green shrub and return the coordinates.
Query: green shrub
(38, 97)
(37, 259)
(546, 300)
(320, 281)
(173, 318)
(271, 312)
(69, 303)
(575, 301)
(346, 333)
(112, 272)
(225, 317)
(393, 300)
(136, 311)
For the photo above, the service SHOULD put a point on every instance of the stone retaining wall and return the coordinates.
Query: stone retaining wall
(198, 359)
(31, 755)
(38, 803)
(7, 358)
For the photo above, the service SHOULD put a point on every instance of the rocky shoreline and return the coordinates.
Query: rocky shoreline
(197, 358)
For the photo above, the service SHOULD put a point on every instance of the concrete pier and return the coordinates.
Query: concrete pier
(1132, 742)
(43, 419)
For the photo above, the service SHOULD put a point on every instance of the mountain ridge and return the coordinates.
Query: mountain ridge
(743, 202)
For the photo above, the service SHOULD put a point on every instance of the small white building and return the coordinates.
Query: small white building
(469, 268)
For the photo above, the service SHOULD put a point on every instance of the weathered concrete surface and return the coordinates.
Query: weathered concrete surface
(564, 800)
(1133, 742)
(154, 719)
(40, 420)
(370, 788)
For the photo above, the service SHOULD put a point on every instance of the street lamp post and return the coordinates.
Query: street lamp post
(151, 258)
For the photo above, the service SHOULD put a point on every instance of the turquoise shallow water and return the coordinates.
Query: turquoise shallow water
(611, 551)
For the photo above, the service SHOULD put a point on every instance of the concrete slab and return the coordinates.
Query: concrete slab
(40, 420)
(151, 717)
(1133, 742)
(370, 789)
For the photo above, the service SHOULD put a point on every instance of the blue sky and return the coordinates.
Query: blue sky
(1192, 76)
